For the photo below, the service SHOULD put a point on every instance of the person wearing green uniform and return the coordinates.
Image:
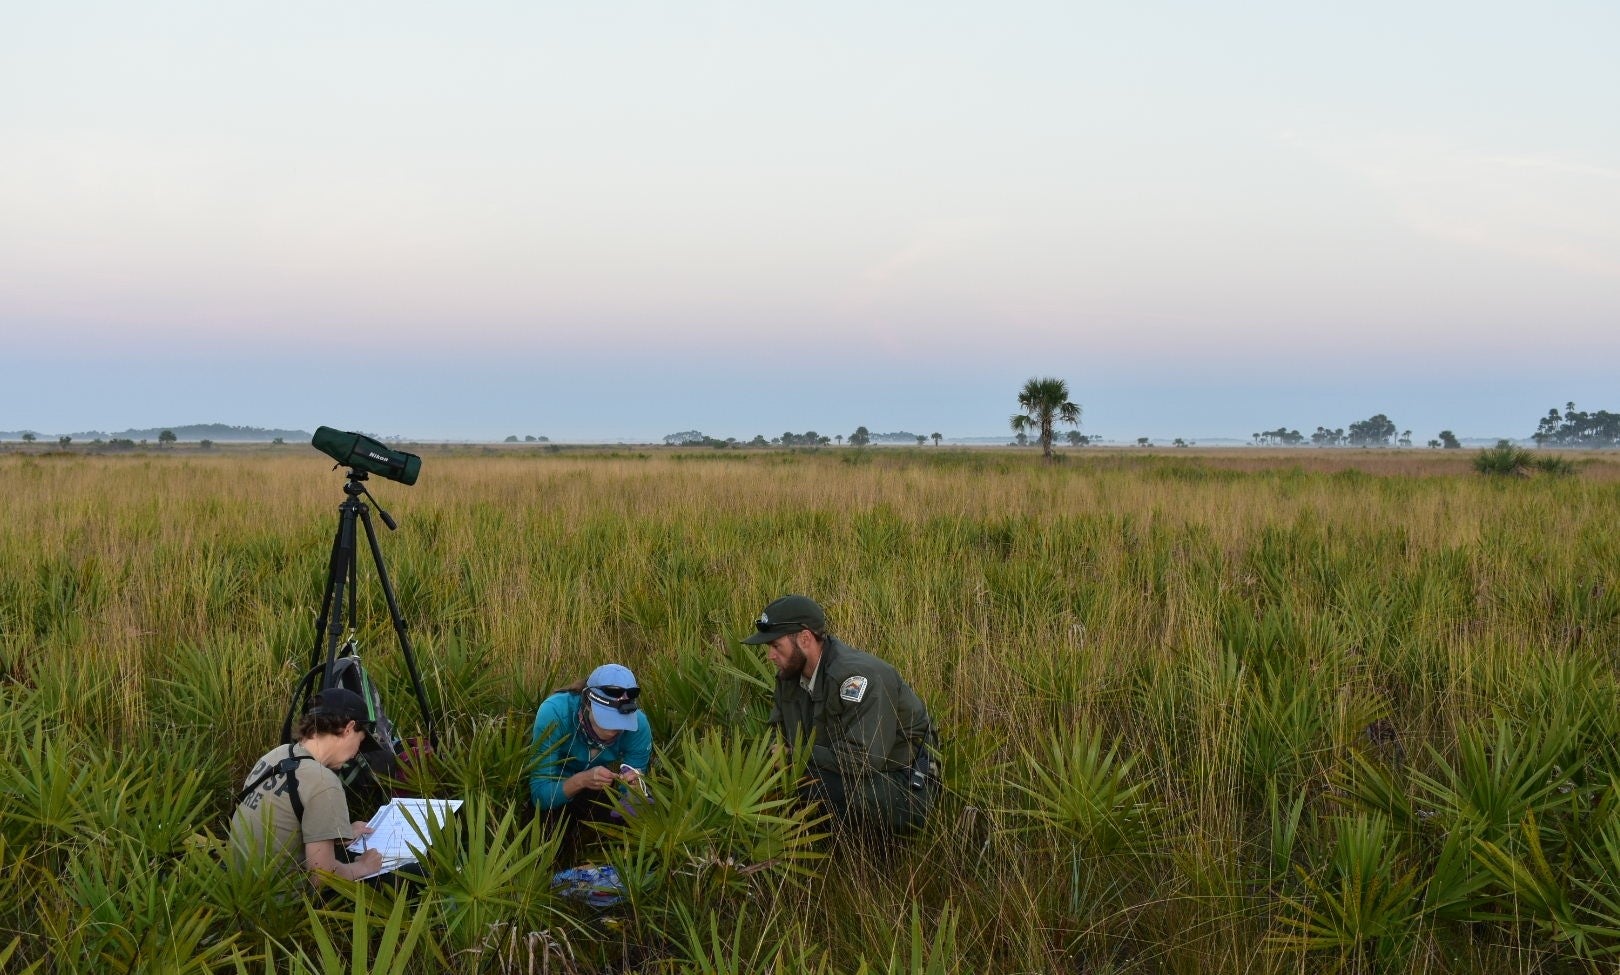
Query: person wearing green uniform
(870, 737)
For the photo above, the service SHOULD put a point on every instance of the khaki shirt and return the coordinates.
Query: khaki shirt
(264, 823)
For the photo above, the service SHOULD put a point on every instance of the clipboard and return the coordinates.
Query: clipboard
(400, 830)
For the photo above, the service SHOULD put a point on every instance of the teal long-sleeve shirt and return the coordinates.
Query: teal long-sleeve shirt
(565, 751)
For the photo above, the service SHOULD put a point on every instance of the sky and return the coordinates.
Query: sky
(614, 221)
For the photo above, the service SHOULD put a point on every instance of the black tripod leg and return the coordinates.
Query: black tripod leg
(333, 573)
(399, 629)
(339, 566)
(339, 572)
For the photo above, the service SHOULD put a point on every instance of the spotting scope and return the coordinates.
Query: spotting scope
(356, 450)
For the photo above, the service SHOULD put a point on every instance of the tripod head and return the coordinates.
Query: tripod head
(355, 487)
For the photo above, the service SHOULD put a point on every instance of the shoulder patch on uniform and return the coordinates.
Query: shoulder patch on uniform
(852, 690)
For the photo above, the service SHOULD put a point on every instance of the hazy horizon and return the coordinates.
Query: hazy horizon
(620, 222)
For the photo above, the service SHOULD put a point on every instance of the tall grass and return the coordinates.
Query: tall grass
(1199, 713)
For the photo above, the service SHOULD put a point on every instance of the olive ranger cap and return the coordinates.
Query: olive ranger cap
(789, 614)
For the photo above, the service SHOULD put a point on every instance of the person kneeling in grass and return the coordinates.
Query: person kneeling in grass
(873, 760)
(292, 804)
(590, 740)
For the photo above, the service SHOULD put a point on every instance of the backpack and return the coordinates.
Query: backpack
(360, 776)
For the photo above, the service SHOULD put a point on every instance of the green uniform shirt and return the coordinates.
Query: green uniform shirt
(864, 724)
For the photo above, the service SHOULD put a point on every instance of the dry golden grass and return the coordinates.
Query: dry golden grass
(1174, 600)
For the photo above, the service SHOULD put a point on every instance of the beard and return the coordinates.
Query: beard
(794, 667)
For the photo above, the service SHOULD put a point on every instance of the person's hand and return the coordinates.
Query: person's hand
(369, 862)
(361, 829)
(599, 777)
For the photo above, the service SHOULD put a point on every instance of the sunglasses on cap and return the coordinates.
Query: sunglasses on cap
(766, 626)
(621, 699)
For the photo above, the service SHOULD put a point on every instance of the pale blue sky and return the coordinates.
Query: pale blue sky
(618, 220)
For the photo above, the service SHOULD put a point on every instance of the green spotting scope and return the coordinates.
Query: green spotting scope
(360, 452)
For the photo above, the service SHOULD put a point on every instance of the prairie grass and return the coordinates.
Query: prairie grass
(1208, 711)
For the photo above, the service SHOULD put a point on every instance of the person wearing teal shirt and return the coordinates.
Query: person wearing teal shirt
(589, 738)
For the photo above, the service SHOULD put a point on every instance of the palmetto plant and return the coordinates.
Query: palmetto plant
(366, 948)
(1045, 402)
(125, 911)
(42, 783)
(1598, 904)
(1502, 776)
(723, 819)
(484, 870)
(1364, 903)
(1086, 793)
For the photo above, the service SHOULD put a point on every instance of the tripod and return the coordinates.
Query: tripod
(342, 572)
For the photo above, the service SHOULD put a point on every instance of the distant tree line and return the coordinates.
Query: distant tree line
(697, 438)
(1045, 404)
(1577, 428)
(1377, 430)
(899, 436)
(810, 438)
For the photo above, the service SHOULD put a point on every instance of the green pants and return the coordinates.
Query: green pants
(878, 802)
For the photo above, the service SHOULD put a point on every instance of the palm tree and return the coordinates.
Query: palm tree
(1046, 403)
(936, 439)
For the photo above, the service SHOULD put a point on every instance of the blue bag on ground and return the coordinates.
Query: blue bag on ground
(595, 886)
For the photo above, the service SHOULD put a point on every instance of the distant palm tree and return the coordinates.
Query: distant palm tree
(936, 439)
(1046, 403)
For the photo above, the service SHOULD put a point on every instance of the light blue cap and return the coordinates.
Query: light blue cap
(611, 675)
(613, 715)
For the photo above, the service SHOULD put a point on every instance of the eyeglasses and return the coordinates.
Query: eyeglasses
(616, 693)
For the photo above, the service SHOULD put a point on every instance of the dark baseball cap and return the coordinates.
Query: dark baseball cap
(789, 614)
(340, 702)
